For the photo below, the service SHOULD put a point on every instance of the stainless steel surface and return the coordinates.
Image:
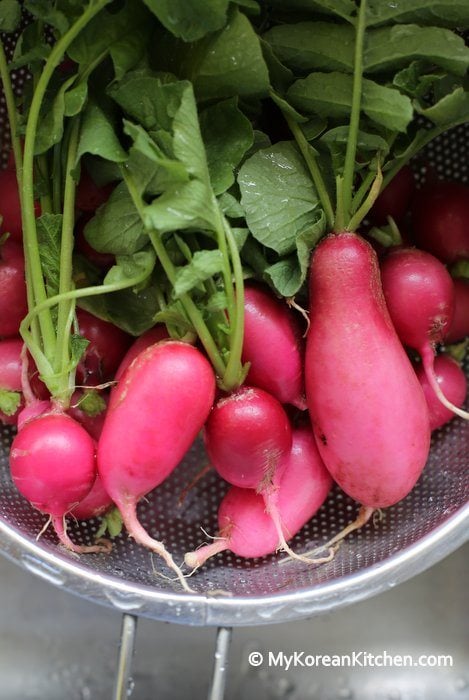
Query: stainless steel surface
(220, 666)
(59, 647)
(123, 681)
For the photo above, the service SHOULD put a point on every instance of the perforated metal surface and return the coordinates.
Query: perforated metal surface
(430, 523)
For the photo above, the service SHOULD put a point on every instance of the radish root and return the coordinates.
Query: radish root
(60, 526)
(141, 536)
(428, 360)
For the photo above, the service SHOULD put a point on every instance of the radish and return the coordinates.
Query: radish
(10, 208)
(247, 529)
(395, 199)
(367, 408)
(453, 384)
(248, 437)
(52, 463)
(151, 336)
(11, 397)
(159, 406)
(272, 346)
(95, 503)
(419, 294)
(459, 326)
(13, 304)
(108, 345)
(89, 195)
(440, 215)
(89, 409)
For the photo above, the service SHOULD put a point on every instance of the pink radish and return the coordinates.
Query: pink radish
(108, 345)
(151, 336)
(11, 398)
(52, 462)
(459, 326)
(453, 384)
(395, 199)
(247, 529)
(95, 503)
(89, 410)
(273, 346)
(159, 406)
(248, 437)
(419, 294)
(367, 408)
(13, 304)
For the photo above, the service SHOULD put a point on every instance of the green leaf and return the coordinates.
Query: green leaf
(49, 231)
(190, 20)
(204, 264)
(111, 523)
(129, 266)
(229, 63)
(447, 13)
(330, 95)
(278, 196)
(78, 345)
(114, 33)
(230, 206)
(339, 8)
(51, 124)
(30, 48)
(75, 99)
(186, 206)
(116, 227)
(281, 77)
(45, 11)
(288, 275)
(10, 401)
(146, 99)
(98, 133)
(391, 48)
(306, 46)
(10, 15)
(336, 140)
(227, 135)
(92, 403)
(415, 80)
(451, 110)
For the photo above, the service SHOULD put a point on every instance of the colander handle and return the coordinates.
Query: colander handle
(222, 648)
(124, 664)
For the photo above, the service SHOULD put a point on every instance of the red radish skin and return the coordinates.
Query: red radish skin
(108, 345)
(160, 405)
(151, 336)
(247, 529)
(53, 465)
(419, 294)
(97, 502)
(367, 407)
(459, 326)
(273, 346)
(246, 436)
(395, 199)
(440, 215)
(453, 383)
(13, 303)
(92, 424)
(11, 373)
(89, 195)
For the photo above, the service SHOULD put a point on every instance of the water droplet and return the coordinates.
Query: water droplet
(123, 600)
(461, 683)
(130, 687)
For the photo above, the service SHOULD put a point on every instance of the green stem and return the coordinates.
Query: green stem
(29, 221)
(190, 308)
(226, 271)
(339, 223)
(362, 191)
(351, 151)
(363, 210)
(233, 374)
(65, 307)
(313, 167)
(57, 180)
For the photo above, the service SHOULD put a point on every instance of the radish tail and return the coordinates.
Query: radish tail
(200, 556)
(60, 526)
(272, 510)
(428, 360)
(363, 517)
(141, 536)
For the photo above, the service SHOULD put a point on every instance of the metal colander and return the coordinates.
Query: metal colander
(429, 524)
